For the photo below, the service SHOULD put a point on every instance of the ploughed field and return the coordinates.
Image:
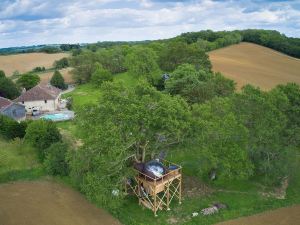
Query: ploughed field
(248, 63)
(283, 216)
(28, 61)
(48, 203)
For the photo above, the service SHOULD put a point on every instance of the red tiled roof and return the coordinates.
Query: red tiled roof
(39, 92)
(4, 103)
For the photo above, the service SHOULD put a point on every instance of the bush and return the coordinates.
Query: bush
(62, 63)
(39, 69)
(101, 75)
(11, 129)
(8, 88)
(41, 134)
(55, 161)
(2, 74)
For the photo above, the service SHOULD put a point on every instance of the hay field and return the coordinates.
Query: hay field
(250, 63)
(66, 73)
(26, 62)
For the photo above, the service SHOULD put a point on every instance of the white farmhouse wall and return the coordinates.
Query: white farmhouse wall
(49, 106)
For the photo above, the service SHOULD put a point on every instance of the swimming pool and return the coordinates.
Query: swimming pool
(58, 116)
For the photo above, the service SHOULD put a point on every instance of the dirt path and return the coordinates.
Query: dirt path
(282, 216)
(48, 203)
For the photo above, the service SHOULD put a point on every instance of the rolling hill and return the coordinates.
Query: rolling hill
(26, 62)
(248, 63)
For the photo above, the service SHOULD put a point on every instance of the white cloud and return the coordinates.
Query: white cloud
(27, 22)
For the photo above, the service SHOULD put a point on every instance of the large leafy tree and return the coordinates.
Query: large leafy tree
(28, 80)
(100, 75)
(198, 86)
(58, 81)
(141, 62)
(8, 88)
(127, 124)
(177, 52)
(258, 112)
(222, 140)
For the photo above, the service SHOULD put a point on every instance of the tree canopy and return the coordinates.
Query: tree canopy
(58, 81)
(28, 80)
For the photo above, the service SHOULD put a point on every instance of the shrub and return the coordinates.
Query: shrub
(2, 74)
(41, 134)
(58, 81)
(8, 88)
(62, 63)
(11, 129)
(55, 161)
(100, 75)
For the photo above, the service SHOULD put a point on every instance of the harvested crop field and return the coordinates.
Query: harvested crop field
(282, 216)
(26, 62)
(66, 73)
(250, 63)
(48, 203)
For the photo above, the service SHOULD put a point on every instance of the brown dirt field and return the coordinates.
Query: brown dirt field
(26, 62)
(48, 203)
(250, 63)
(283, 216)
(66, 73)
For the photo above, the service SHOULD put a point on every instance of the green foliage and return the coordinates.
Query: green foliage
(50, 49)
(2, 74)
(273, 39)
(141, 62)
(58, 81)
(100, 75)
(126, 123)
(39, 69)
(55, 161)
(177, 52)
(28, 80)
(8, 88)
(15, 155)
(69, 47)
(11, 129)
(198, 86)
(41, 134)
(221, 140)
(61, 63)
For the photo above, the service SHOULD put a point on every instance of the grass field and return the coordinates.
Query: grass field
(250, 63)
(26, 62)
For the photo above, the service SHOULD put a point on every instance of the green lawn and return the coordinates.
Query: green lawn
(18, 161)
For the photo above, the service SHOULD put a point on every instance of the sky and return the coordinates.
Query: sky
(33, 22)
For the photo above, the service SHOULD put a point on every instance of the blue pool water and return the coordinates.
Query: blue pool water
(56, 117)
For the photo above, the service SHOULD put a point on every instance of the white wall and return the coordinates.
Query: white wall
(51, 105)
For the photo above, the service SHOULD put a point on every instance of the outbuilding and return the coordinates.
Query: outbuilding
(11, 109)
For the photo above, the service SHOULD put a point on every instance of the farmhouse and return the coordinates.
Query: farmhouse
(12, 109)
(44, 98)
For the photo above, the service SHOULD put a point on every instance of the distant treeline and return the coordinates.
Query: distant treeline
(207, 40)
(55, 48)
(268, 38)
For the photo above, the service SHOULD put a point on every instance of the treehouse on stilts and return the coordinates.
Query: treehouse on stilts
(156, 184)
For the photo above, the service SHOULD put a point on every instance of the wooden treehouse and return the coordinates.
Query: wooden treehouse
(157, 193)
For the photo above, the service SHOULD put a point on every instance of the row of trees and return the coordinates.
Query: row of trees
(11, 90)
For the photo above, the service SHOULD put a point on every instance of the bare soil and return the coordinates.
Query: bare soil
(283, 216)
(26, 62)
(248, 63)
(48, 203)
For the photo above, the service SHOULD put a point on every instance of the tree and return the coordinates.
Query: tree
(8, 88)
(127, 124)
(62, 63)
(2, 74)
(100, 75)
(221, 140)
(56, 159)
(28, 80)
(41, 134)
(58, 81)
(11, 129)
(198, 86)
(141, 62)
(265, 123)
(177, 52)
